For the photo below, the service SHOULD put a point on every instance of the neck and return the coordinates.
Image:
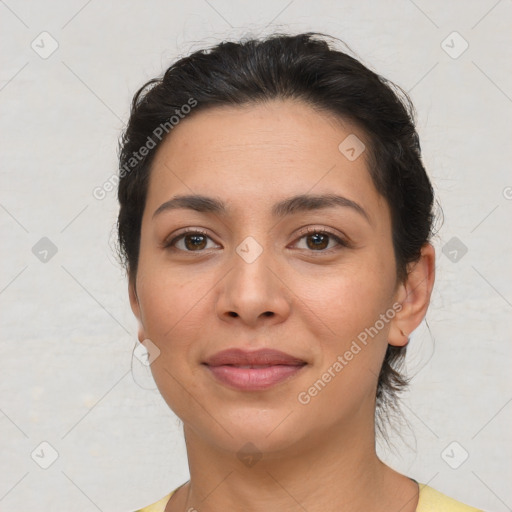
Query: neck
(339, 472)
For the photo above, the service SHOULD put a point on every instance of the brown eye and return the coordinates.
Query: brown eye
(190, 241)
(318, 240)
(193, 242)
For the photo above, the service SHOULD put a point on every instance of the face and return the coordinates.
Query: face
(315, 281)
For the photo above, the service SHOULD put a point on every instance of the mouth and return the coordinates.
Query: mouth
(254, 366)
(262, 357)
(253, 371)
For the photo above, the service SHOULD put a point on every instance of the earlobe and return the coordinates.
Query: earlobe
(397, 336)
(414, 297)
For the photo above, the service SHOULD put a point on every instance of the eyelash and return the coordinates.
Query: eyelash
(342, 243)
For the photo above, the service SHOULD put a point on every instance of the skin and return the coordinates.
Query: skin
(306, 302)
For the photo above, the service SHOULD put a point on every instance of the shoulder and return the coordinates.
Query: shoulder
(158, 506)
(431, 500)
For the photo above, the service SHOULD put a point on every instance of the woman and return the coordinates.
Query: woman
(275, 219)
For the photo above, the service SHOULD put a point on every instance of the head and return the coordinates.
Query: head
(249, 125)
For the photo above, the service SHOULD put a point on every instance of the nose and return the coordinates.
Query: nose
(253, 292)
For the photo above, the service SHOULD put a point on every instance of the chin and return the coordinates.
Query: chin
(246, 429)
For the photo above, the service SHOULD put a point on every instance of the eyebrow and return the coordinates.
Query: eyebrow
(289, 206)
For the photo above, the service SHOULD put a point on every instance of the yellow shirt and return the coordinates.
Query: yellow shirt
(430, 500)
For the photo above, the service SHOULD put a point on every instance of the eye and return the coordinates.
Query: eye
(318, 240)
(189, 241)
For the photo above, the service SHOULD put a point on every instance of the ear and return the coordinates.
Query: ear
(414, 297)
(134, 304)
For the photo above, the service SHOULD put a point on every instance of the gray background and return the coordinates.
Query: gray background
(67, 330)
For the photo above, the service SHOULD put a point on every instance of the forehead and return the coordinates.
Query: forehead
(259, 153)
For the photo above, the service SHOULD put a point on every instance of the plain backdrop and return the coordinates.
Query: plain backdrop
(82, 425)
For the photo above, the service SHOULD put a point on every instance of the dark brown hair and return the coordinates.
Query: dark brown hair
(303, 67)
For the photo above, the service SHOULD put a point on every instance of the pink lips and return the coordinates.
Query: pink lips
(253, 371)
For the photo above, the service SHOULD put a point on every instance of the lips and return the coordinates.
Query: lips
(253, 371)
(258, 358)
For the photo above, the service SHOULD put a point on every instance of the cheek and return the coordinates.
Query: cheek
(174, 312)
(348, 305)
(352, 340)
(351, 297)
(170, 304)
